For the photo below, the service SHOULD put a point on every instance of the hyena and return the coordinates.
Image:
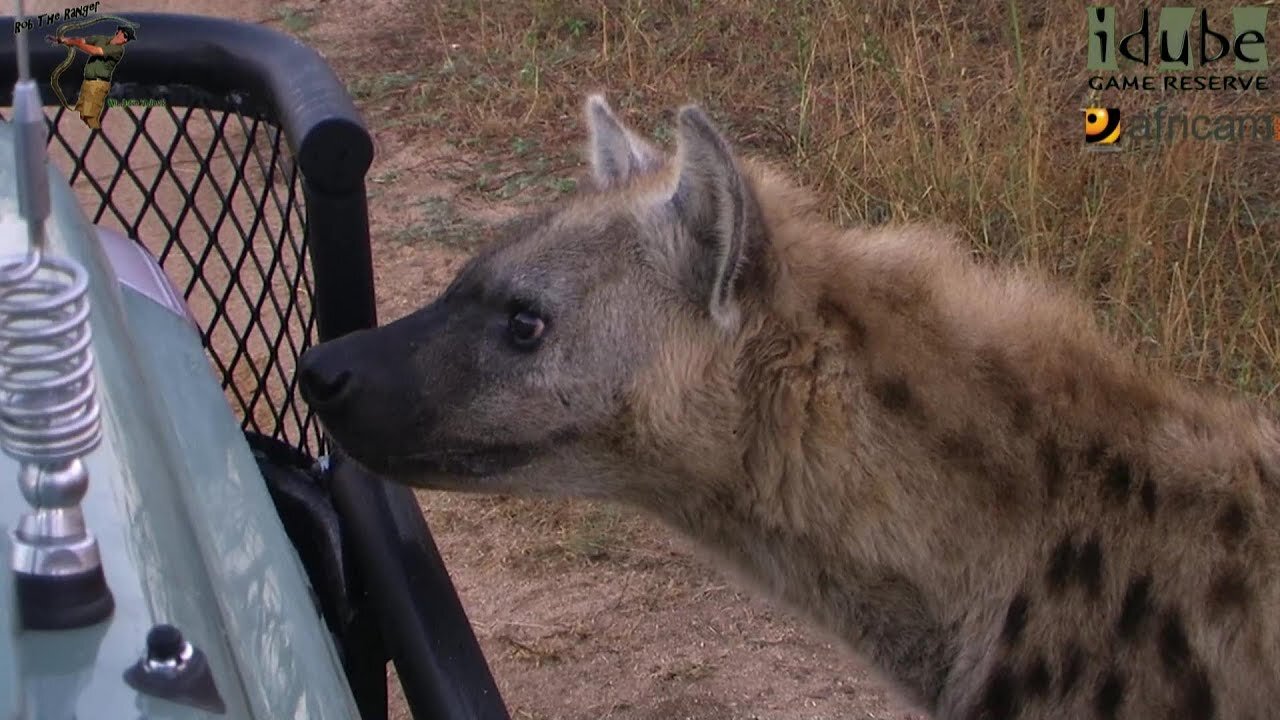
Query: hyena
(949, 466)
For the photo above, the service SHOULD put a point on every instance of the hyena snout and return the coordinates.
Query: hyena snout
(332, 382)
(325, 381)
(361, 390)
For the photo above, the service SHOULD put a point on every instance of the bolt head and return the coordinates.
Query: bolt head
(164, 643)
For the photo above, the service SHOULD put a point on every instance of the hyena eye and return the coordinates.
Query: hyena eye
(526, 329)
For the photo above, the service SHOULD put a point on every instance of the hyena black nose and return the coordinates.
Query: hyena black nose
(325, 381)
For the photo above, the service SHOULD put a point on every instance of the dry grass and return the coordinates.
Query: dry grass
(965, 113)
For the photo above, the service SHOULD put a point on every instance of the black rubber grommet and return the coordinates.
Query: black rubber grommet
(63, 602)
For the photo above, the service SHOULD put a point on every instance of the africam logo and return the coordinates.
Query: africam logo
(1103, 130)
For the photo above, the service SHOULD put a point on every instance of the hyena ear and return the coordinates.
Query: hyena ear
(715, 204)
(617, 155)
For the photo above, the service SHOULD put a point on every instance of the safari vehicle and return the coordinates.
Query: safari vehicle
(179, 539)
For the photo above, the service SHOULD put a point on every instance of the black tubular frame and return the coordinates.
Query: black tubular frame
(270, 78)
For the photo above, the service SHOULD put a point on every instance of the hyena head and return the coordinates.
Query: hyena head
(573, 355)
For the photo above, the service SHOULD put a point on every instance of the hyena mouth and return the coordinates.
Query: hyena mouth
(473, 462)
(469, 460)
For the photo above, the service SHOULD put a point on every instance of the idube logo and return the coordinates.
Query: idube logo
(1186, 39)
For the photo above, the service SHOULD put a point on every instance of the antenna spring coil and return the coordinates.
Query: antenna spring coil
(49, 413)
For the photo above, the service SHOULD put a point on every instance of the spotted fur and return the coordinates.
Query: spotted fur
(947, 465)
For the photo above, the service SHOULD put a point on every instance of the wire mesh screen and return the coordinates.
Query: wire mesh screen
(215, 196)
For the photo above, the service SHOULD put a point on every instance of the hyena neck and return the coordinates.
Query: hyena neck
(910, 443)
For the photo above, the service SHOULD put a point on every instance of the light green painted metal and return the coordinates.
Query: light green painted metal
(10, 698)
(187, 529)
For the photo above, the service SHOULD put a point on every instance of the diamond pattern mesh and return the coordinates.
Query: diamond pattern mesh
(215, 196)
